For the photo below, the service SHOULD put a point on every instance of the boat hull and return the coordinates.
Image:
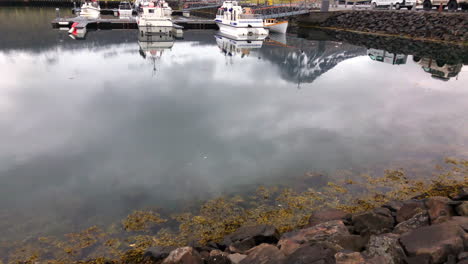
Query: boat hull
(241, 31)
(279, 27)
(145, 30)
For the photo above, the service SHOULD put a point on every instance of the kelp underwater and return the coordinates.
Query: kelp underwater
(285, 208)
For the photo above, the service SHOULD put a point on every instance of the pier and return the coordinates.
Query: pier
(128, 23)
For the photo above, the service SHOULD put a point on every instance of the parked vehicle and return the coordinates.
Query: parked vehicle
(450, 4)
(439, 69)
(395, 3)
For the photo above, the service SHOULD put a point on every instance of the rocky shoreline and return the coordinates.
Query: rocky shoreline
(431, 230)
(446, 27)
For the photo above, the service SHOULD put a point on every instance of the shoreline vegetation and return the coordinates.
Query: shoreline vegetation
(271, 208)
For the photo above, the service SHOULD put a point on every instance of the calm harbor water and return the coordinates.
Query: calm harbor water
(92, 129)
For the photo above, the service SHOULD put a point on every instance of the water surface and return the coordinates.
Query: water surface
(93, 129)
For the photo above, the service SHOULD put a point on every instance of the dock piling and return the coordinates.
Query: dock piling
(57, 12)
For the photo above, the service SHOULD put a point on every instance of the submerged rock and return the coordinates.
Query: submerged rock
(325, 215)
(158, 252)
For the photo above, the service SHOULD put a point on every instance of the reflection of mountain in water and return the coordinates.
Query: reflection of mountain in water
(306, 60)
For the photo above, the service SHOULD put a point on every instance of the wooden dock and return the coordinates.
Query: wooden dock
(128, 23)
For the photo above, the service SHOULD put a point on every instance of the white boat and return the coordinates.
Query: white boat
(276, 26)
(230, 46)
(90, 9)
(167, 9)
(139, 4)
(153, 21)
(125, 9)
(235, 21)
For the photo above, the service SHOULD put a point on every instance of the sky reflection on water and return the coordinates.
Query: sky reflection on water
(91, 130)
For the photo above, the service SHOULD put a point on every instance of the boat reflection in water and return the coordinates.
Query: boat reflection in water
(439, 69)
(231, 46)
(387, 57)
(152, 47)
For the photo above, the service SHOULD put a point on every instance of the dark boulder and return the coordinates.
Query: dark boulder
(462, 209)
(377, 221)
(316, 254)
(409, 209)
(325, 232)
(220, 259)
(248, 237)
(386, 247)
(263, 254)
(419, 220)
(158, 252)
(439, 209)
(437, 241)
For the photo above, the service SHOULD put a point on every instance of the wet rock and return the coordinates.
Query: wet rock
(158, 252)
(462, 209)
(462, 194)
(326, 215)
(377, 221)
(463, 261)
(460, 221)
(263, 254)
(463, 255)
(451, 259)
(387, 247)
(217, 252)
(439, 209)
(247, 237)
(409, 209)
(349, 258)
(436, 241)
(421, 259)
(236, 258)
(351, 242)
(419, 220)
(393, 205)
(183, 255)
(218, 260)
(328, 231)
(316, 254)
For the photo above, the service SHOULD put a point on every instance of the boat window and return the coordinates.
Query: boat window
(151, 11)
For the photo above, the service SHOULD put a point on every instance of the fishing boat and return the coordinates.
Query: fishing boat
(153, 21)
(276, 26)
(90, 9)
(167, 9)
(125, 9)
(233, 20)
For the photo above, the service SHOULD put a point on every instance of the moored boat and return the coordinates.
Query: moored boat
(276, 26)
(153, 21)
(90, 9)
(125, 9)
(233, 20)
